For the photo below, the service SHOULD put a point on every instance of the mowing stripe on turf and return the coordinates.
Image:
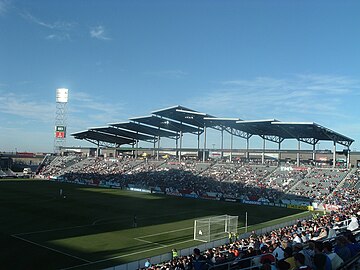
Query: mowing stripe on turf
(146, 218)
(49, 248)
(149, 235)
(126, 255)
(95, 223)
(149, 242)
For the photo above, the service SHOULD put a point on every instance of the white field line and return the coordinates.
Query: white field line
(201, 240)
(155, 234)
(149, 242)
(49, 248)
(127, 255)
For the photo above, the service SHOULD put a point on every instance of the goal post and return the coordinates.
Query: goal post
(212, 228)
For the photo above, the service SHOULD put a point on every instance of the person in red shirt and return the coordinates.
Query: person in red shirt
(266, 256)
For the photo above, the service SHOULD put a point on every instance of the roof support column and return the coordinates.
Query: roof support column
(137, 149)
(137, 146)
(263, 153)
(334, 155)
(158, 148)
(279, 153)
(176, 147)
(181, 135)
(153, 152)
(222, 143)
(98, 149)
(204, 151)
(348, 158)
(198, 143)
(247, 149)
(231, 143)
(298, 155)
(314, 154)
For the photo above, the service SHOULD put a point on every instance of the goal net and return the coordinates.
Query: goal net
(212, 228)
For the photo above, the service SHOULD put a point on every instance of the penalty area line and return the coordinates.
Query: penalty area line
(49, 248)
(149, 242)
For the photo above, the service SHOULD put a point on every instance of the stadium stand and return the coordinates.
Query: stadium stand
(333, 235)
(261, 183)
(319, 183)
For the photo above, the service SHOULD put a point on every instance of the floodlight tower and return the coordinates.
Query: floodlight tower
(62, 95)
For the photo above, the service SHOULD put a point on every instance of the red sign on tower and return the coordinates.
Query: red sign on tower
(60, 132)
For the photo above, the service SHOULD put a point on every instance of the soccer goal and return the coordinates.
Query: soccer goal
(212, 228)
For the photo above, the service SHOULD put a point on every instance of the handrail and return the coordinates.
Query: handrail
(349, 264)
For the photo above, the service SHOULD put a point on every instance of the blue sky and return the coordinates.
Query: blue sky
(289, 60)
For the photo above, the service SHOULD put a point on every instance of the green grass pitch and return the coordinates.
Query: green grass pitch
(92, 228)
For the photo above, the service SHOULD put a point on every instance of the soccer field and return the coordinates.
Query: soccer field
(92, 228)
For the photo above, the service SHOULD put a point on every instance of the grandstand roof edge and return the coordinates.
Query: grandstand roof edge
(293, 123)
(91, 128)
(139, 117)
(222, 118)
(82, 131)
(117, 123)
(169, 108)
(191, 112)
(257, 121)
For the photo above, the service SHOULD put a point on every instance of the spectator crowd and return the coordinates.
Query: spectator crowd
(320, 243)
(253, 182)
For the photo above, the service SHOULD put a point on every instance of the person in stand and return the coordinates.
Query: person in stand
(335, 259)
(300, 262)
(147, 263)
(236, 236)
(230, 237)
(174, 253)
(278, 251)
(266, 257)
(198, 260)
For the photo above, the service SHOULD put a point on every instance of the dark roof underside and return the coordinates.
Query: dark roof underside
(103, 137)
(262, 128)
(145, 129)
(124, 133)
(311, 130)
